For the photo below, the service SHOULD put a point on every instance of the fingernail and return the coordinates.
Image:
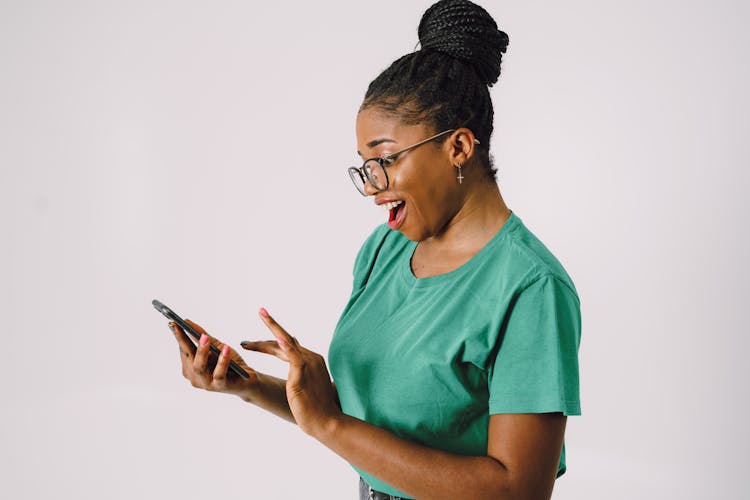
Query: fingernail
(263, 312)
(281, 341)
(225, 350)
(171, 325)
(245, 343)
(204, 339)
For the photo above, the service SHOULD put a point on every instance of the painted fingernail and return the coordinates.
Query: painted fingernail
(204, 339)
(281, 341)
(263, 312)
(225, 350)
(245, 343)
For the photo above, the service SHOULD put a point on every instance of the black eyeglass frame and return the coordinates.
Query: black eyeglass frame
(387, 161)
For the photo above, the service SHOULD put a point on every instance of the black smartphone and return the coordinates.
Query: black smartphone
(172, 316)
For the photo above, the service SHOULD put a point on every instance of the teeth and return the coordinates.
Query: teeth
(392, 204)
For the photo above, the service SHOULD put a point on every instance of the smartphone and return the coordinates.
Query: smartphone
(172, 316)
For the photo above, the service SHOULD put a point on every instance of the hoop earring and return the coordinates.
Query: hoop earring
(460, 177)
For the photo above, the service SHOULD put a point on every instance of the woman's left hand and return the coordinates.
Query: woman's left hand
(310, 392)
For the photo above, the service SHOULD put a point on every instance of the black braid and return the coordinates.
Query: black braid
(446, 82)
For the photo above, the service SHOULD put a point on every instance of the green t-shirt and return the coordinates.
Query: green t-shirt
(430, 359)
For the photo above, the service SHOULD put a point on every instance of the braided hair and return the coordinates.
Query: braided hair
(446, 83)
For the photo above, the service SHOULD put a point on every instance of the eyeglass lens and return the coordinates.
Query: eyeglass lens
(357, 179)
(375, 175)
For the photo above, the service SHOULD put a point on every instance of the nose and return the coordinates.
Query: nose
(369, 189)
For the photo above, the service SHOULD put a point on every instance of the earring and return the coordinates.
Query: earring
(459, 177)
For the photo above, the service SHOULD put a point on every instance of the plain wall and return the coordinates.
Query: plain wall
(195, 152)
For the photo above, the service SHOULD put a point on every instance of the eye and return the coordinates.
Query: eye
(389, 160)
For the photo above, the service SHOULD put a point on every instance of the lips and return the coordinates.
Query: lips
(396, 210)
(396, 214)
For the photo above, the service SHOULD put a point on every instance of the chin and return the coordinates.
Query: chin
(413, 235)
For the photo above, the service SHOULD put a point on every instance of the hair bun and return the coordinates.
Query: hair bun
(464, 30)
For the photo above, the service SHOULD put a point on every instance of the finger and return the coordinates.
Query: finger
(218, 343)
(271, 347)
(287, 343)
(277, 330)
(201, 360)
(220, 371)
(202, 331)
(187, 348)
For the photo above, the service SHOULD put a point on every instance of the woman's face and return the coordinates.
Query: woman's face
(422, 179)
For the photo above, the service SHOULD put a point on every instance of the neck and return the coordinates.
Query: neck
(482, 214)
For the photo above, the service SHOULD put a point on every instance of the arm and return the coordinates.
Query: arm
(270, 394)
(522, 455)
(521, 462)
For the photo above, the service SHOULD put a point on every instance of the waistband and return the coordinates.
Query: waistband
(367, 493)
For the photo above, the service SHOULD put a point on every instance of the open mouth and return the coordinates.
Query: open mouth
(396, 213)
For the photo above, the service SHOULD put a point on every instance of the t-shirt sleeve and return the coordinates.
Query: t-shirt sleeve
(536, 366)
(365, 260)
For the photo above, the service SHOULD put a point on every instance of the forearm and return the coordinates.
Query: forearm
(270, 394)
(422, 472)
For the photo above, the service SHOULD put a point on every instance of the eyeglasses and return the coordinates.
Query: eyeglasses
(373, 169)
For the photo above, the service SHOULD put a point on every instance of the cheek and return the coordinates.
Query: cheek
(426, 187)
(427, 204)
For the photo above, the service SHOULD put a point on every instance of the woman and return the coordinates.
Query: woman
(455, 360)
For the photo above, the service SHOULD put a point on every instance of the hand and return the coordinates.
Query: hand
(310, 392)
(205, 371)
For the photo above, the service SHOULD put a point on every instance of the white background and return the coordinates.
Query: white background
(195, 152)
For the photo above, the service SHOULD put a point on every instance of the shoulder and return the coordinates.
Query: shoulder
(381, 245)
(533, 261)
(373, 242)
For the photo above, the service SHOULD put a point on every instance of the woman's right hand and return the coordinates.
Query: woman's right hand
(205, 371)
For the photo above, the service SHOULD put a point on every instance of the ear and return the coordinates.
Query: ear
(462, 145)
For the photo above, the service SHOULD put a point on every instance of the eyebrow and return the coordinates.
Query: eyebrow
(376, 142)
